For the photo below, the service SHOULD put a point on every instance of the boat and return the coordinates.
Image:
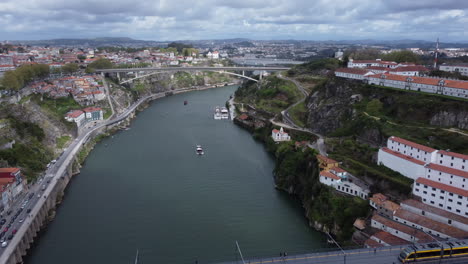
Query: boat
(136, 258)
(185, 102)
(217, 113)
(224, 113)
(200, 150)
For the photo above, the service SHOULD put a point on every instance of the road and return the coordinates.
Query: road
(289, 123)
(46, 184)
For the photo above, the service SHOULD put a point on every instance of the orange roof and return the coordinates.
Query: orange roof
(453, 154)
(75, 114)
(326, 159)
(412, 144)
(372, 243)
(398, 154)
(448, 170)
(422, 80)
(401, 227)
(430, 224)
(389, 238)
(410, 68)
(435, 210)
(338, 169)
(329, 175)
(9, 170)
(442, 186)
(92, 109)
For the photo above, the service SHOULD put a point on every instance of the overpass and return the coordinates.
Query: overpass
(148, 71)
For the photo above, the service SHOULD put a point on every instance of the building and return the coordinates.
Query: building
(435, 214)
(11, 185)
(453, 88)
(325, 163)
(76, 116)
(93, 113)
(383, 205)
(443, 196)
(462, 69)
(385, 239)
(371, 63)
(280, 135)
(400, 230)
(405, 165)
(428, 225)
(344, 182)
(353, 73)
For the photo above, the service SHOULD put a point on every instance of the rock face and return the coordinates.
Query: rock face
(450, 119)
(330, 106)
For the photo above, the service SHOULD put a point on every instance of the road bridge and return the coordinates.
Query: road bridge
(148, 71)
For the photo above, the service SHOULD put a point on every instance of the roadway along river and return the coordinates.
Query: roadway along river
(146, 188)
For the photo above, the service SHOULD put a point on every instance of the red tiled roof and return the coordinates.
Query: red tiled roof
(401, 227)
(448, 170)
(338, 169)
(405, 157)
(9, 170)
(243, 117)
(412, 144)
(353, 70)
(75, 114)
(372, 243)
(326, 159)
(92, 109)
(453, 154)
(423, 80)
(389, 238)
(410, 68)
(434, 210)
(442, 186)
(430, 224)
(378, 68)
(329, 175)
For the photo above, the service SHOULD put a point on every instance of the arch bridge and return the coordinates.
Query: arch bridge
(146, 72)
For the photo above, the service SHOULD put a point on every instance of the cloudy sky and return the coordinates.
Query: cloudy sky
(216, 19)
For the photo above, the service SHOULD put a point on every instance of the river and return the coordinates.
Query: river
(145, 188)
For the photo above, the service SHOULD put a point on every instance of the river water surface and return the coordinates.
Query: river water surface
(146, 188)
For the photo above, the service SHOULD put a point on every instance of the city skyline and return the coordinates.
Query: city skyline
(183, 20)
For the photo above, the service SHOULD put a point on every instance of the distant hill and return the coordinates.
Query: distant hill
(94, 42)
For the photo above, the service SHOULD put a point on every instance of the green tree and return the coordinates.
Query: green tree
(101, 64)
(374, 107)
(10, 81)
(402, 56)
(70, 68)
(81, 57)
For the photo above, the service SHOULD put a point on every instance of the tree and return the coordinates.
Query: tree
(101, 64)
(10, 81)
(374, 107)
(70, 68)
(81, 57)
(402, 56)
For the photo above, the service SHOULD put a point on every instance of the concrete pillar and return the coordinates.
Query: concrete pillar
(118, 76)
(243, 73)
(261, 75)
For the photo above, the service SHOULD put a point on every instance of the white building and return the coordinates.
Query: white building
(428, 225)
(453, 88)
(353, 73)
(399, 230)
(462, 69)
(435, 214)
(76, 116)
(280, 135)
(452, 160)
(405, 165)
(371, 63)
(342, 181)
(443, 196)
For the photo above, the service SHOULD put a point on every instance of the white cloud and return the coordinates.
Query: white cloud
(206, 19)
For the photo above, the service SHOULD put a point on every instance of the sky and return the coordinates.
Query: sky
(220, 19)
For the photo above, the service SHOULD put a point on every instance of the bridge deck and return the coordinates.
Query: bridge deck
(195, 69)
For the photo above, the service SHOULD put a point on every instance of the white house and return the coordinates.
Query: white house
(369, 63)
(342, 181)
(280, 135)
(452, 160)
(76, 116)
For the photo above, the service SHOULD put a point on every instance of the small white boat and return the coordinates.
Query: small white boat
(200, 150)
(217, 113)
(224, 113)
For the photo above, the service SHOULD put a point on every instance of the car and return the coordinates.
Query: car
(39, 196)
(10, 237)
(54, 161)
(2, 240)
(21, 220)
(2, 234)
(6, 229)
(14, 231)
(9, 212)
(31, 195)
(4, 244)
(28, 211)
(3, 221)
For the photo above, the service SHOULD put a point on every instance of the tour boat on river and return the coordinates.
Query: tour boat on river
(200, 150)
(221, 113)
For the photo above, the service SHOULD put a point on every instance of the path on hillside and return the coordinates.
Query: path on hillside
(289, 123)
(452, 130)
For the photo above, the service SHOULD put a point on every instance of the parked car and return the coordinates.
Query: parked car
(10, 237)
(14, 231)
(28, 211)
(3, 221)
(4, 244)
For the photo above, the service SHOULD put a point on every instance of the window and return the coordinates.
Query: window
(423, 213)
(440, 205)
(425, 187)
(425, 192)
(449, 207)
(458, 211)
(450, 200)
(442, 191)
(451, 176)
(450, 221)
(433, 189)
(451, 194)
(417, 184)
(460, 197)
(459, 203)
(416, 189)
(432, 202)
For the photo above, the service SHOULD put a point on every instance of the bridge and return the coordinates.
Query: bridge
(148, 71)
